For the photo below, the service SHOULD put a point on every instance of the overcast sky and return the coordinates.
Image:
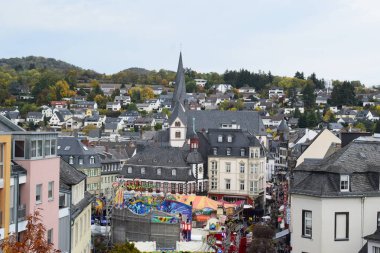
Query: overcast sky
(337, 39)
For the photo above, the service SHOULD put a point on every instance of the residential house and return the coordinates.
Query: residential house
(74, 210)
(322, 99)
(92, 105)
(236, 165)
(113, 106)
(108, 88)
(144, 107)
(123, 100)
(59, 104)
(320, 147)
(35, 117)
(157, 89)
(95, 120)
(200, 82)
(145, 122)
(57, 120)
(46, 111)
(276, 92)
(153, 103)
(74, 123)
(247, 89)
(335, 200)
(14, 117)
(83, 159)
(222, 87)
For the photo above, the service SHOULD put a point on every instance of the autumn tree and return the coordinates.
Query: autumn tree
(124, 247)
(329, 116)
(34, 239)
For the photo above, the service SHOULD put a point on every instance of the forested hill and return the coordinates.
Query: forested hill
(37, 62)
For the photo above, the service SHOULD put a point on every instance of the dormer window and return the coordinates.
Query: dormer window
(344, 183)
(158, 171)
(242, 152)
(174, 172)
(215, 151)
(228, 152)
(71, 160)
(81, 161)
(92, 160)
(129, 170)
(142, 171)
(229, 138)
(220, 138)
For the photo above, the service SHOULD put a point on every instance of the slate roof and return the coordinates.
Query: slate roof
(167, 158)
(373, 237)
(360, 160)
(240, 139)
(78, 208)
(68, 175)
(248, 120)
(34, 115)
(179, 93)
(7, 126)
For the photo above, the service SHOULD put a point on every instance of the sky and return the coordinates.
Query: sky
(336, 39)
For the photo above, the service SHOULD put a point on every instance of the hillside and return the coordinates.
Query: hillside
(37, 62)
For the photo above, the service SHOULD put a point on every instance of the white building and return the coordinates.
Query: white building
(200, 82)
(222, 87)
(236, 165)
(113, 106)
(276, 92)
(335, 201)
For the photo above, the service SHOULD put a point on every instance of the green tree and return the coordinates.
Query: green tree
(343, 93)
(126, 247)
(299, 75)
(377, 127)
(308, 95)
(158, 126)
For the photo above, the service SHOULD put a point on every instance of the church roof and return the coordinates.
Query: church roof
(179, 94)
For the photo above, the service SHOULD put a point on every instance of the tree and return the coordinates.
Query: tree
(329, 116)
(125, 247)
(299, 75)
(377, 127)
(319, 84)
(158, 126)
(88, 128)
(146, 93)
(34, 239)
(262, 241)
(343, 93)
(308, 95)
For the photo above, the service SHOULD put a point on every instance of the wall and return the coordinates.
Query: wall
(41, 172)
(81, 232)
(5, 190)
(177, 142)
(299, 243)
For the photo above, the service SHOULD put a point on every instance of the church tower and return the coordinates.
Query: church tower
(178, 118)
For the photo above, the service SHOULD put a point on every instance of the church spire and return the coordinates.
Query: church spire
(179, 94)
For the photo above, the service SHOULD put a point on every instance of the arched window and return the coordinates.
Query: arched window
(129, 170)
(242, 167)
(220, 138)
(71, 160)
(177, 124)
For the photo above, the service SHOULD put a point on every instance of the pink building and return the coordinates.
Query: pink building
(37, 153)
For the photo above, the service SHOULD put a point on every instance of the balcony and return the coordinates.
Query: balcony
(21, 214)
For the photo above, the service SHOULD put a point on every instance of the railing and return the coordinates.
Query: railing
(21, 214)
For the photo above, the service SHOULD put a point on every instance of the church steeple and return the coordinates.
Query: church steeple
(179, 94)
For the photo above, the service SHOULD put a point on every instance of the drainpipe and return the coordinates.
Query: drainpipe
(70, 199)
(362, 218)
(16, 190)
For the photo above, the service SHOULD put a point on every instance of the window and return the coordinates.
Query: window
(228, 184)
(220, 138)
(50, 190)
(306, 223)
(80, 160)
(229, 138)
(92, 160)
(177, 124)
(174, 172)
(213, 184)
(253, 168)
(189, 172)
(251, 186)
(52, 147)
(242, 168)
(158, 171)
(50, 236)
(375, 249)
(215, 151)
(344, 183)
(228, 151)
(71, 160)
(47, 147)
(378, 220)
(242, 152)
(39, 148)
(34, 149)
(254, 186)
(228, 167)
(129, 170)
(214, 166)
(19, 149)
(173, 187)
(142, 170)
(177, 134)
(38, 193)
(341, 226)
(242, 185)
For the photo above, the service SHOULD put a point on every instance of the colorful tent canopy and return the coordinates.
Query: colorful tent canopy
(201, 202)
